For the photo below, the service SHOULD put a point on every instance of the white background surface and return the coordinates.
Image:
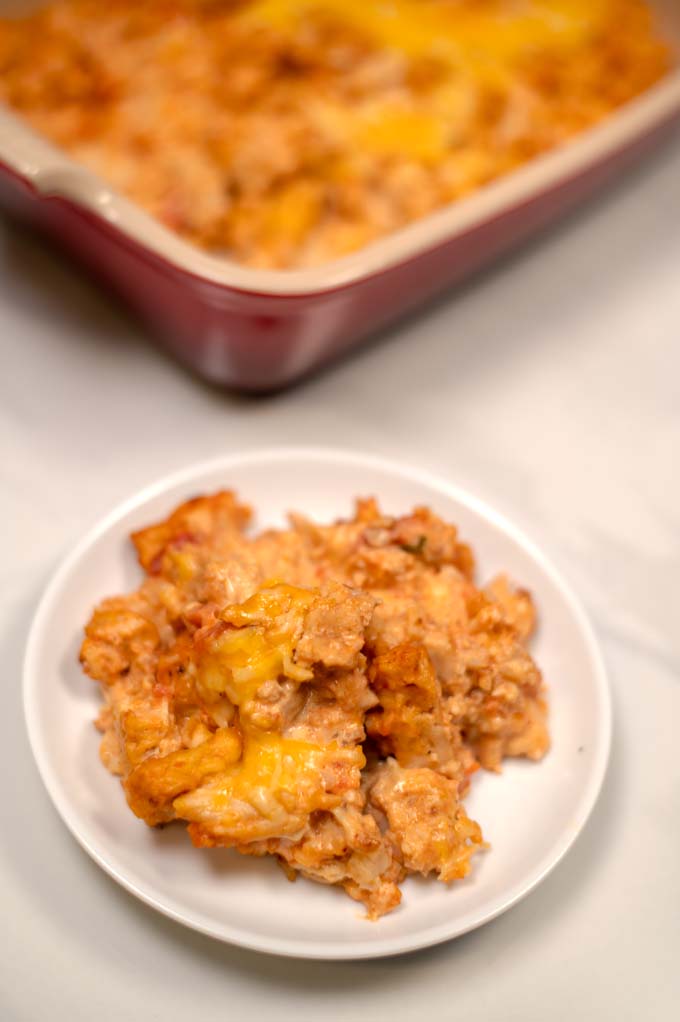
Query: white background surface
(550, 387)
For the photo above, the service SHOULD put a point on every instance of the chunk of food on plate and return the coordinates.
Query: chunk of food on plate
(320, 693)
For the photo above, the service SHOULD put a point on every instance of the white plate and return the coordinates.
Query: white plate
(531, 814)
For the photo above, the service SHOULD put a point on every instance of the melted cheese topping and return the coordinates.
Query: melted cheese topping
(464, 32)
(259, 645)
(479, 40)
(274, 773)
(256, 647)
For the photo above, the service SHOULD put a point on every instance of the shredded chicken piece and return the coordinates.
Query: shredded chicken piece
(427, 820)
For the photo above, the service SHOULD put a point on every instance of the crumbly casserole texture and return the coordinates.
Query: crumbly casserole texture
(285, 133)
(321, 693)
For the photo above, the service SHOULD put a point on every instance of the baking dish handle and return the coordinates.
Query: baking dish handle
(46, 168)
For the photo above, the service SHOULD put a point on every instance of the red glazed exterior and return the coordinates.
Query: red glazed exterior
(259, 341)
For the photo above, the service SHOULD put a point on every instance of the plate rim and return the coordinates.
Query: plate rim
(340, 950)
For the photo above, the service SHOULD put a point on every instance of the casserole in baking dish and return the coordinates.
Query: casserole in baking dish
(330, 164)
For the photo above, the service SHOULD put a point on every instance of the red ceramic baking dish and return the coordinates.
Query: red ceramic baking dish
(258, 330)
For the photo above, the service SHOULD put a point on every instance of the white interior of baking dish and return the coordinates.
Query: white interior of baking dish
(53, 173)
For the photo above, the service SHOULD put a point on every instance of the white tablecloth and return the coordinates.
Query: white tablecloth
(549, 386)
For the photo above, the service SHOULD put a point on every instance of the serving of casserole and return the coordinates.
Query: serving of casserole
(287, 150)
